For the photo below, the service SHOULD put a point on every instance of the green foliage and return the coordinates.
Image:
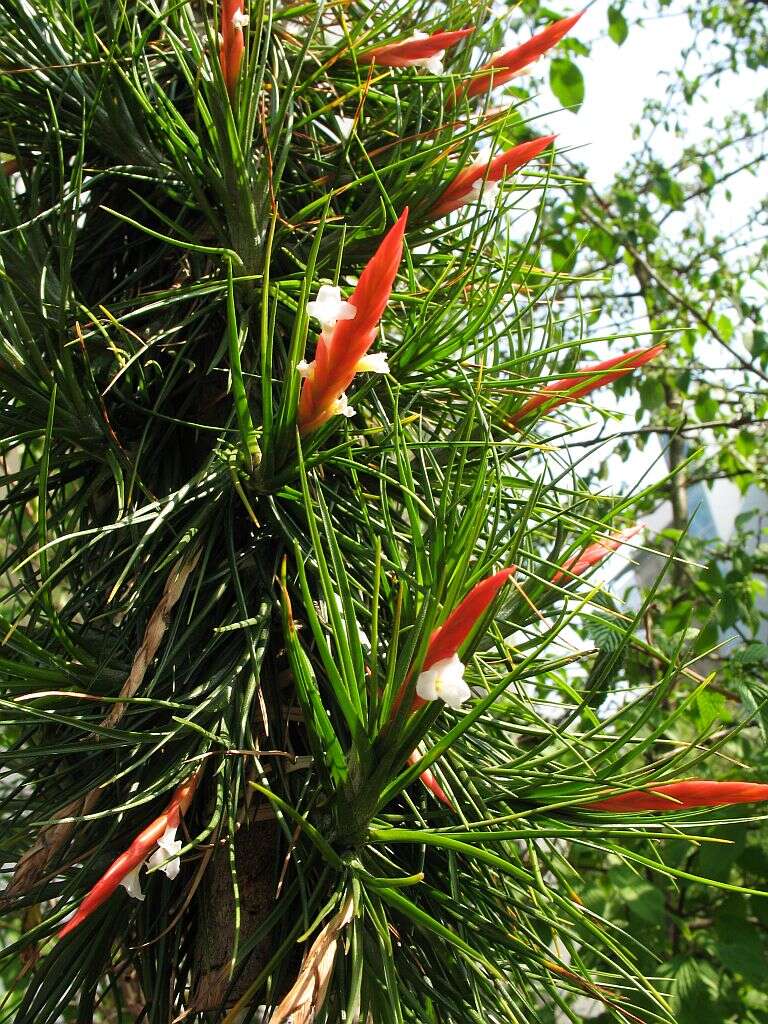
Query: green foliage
(618, 29)
(188, 582)
(712, 943)
(660, 246)
(567, 82)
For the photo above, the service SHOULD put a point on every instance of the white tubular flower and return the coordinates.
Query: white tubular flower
(131, 883)
(305, 369)
(166, 856)
(374, 362)
(485, 191)
(329, 307)
(444, 681)
(239, 20)
(341, 407)
(345, 125)
(433, 64)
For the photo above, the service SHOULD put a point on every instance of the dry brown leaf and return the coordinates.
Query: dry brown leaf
(154, 633)
(307, 996)
(32, 865)
(51, 839)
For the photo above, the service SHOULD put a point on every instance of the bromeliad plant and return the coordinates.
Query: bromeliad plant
(255, 596)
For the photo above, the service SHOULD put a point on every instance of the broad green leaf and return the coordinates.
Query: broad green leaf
(618, 29)
(567, 83)
(694, 992)
(710, 708)
(740, 948)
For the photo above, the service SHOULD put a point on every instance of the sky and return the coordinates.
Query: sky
(620, 78)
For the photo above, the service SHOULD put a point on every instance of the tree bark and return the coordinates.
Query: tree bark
(256, 847)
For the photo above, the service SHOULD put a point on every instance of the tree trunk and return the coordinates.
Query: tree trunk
(255, 846)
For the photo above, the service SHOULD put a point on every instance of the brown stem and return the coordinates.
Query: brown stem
(676, 453)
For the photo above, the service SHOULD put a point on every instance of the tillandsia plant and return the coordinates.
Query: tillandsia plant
(291, 550)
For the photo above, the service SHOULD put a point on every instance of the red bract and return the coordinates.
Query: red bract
(586, 379)
(431, 783)
(511, 62)
(445, 643)
(595, 553)
(675, 796)
(337, 354)
(466, 186)
(448, 638)
(414, 50)
(232, 42)
(136, 853)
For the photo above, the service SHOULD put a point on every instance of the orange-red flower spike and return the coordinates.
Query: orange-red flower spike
(586, 379)
(135, 855)
(677, 796)
(232, 42)
(595, 553)
(421, 50)
(480, 176)
(343, 345)
(442, 673)
(448, 638)
(509, 63)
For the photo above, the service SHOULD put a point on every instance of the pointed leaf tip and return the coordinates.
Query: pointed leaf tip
(678, 796)
(448, 638)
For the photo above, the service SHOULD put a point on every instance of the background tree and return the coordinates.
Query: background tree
(659, 248)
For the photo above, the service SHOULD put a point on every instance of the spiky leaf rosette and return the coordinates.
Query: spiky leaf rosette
(195, 590)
